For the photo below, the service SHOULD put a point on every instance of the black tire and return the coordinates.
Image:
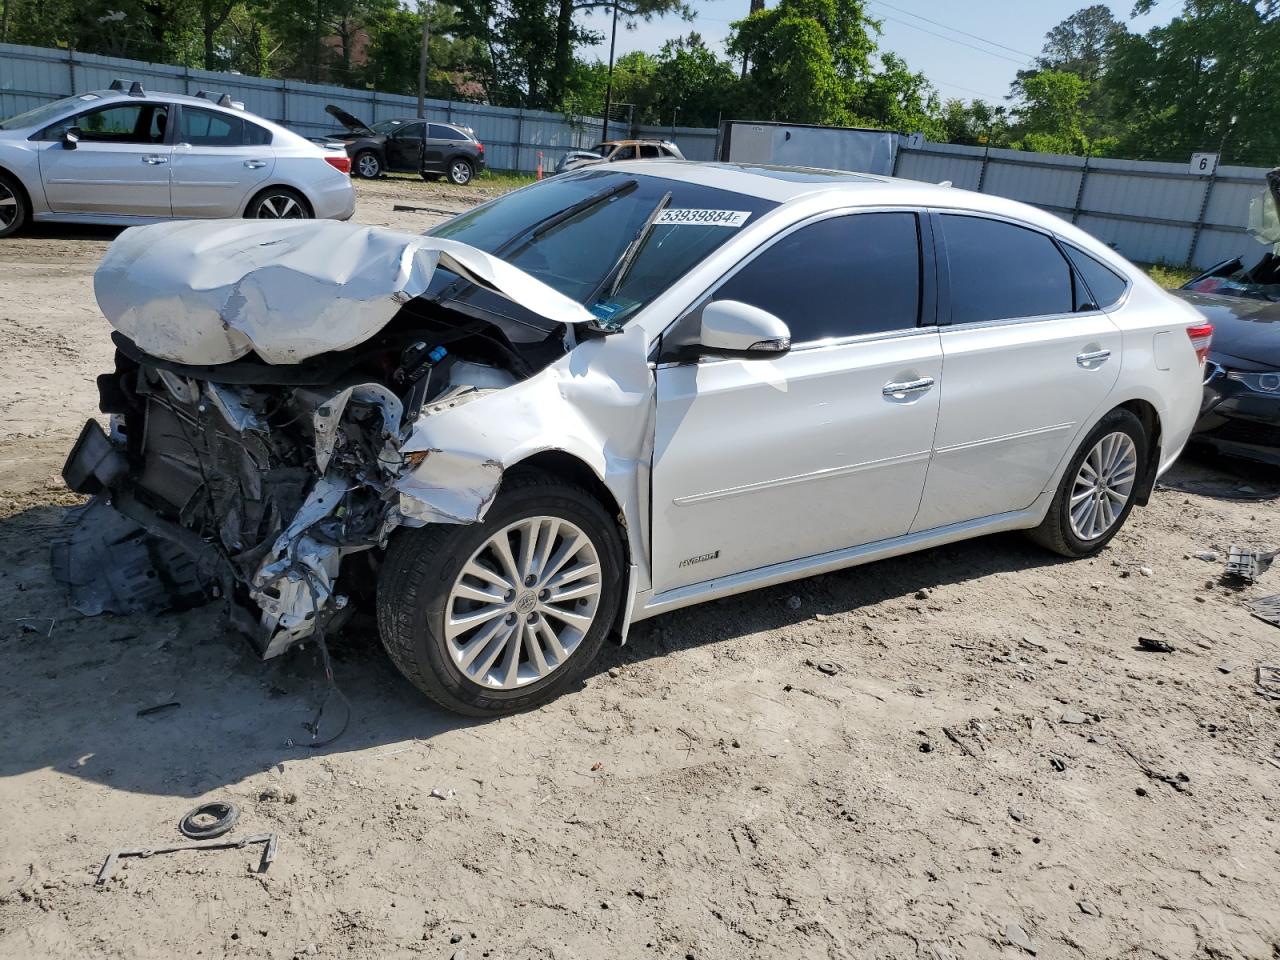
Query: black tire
(460, 171)
(1055, 532)
(287, 204)
(420, 570)
(15, 211)
(367, 165)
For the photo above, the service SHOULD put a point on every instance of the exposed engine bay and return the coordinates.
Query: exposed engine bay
(224, 475)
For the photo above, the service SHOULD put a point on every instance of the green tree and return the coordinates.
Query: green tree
(975, 124)
(806, 60)
(897, 98)
(1051, 115)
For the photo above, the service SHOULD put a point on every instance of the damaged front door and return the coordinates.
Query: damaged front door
(759, 462)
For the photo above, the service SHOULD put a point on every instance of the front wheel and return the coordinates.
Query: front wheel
(503, 615)
(278, 203)
(14, 211)
(1096, 493)
(460, 172)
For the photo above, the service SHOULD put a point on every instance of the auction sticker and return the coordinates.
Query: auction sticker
(685, 216)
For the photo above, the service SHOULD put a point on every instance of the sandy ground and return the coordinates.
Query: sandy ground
(707, 793)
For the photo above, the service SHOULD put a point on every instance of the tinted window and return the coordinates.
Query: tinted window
(255, 136)
(410, 130)
(440, 132)
(1000, 271)
(1104, 285)
(126, 123)
(208, 128)
(649, 152)
(837, 278)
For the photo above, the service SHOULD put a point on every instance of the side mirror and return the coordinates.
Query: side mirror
(70, 137)
(731, 328)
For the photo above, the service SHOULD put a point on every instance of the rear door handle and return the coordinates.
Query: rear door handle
(1093, 356)
(154, 158)
(907, 388)
(255, 164)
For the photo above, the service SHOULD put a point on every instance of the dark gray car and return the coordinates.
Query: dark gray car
(410, 145)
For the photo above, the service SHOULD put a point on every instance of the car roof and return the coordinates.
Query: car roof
(94, 98)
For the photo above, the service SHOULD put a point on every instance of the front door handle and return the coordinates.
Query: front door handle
(1093, 356)
(255, 164)
(154, 158)
(907, 388)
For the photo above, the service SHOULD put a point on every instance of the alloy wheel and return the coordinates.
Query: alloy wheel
(1103, 485)
(368, 166)
(8, 205)
(523, 602)
(460, 172)
(280, 206)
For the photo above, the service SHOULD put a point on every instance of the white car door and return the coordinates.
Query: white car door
(218, 161)
(119, 167)
(758, 462)
(1028, 360)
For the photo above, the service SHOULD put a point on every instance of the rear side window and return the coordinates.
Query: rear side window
(208, 128)
(840, 277)
(440, 132)
(649, 152)
(1103, 287)
(1000, 271)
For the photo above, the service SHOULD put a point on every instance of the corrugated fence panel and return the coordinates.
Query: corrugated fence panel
(513, 138)
(1053, 184)
(940, 162)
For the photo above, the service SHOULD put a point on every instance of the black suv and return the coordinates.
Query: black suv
(409, 145)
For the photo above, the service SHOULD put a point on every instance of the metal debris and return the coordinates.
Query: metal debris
(1245, 563)
(158, 708)
(268, 852)
(1266, 608)
(1267, 678)
(1153, 645)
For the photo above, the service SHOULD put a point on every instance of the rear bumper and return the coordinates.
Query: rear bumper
(334, 200)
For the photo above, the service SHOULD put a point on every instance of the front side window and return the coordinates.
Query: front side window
(624, 153)
(840, 277)
(209, 128)
(410, 131)
(1000, 271)
(122, 123)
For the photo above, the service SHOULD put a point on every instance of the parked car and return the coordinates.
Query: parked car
(130, 156)
(410, 145)
(1240, 411)
(613, 151)
(610, 395)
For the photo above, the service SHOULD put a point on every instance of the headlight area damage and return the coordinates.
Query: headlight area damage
(283, 398)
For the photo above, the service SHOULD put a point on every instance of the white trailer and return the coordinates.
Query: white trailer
(805, 145)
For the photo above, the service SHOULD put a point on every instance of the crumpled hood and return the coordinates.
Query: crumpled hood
(209, 292)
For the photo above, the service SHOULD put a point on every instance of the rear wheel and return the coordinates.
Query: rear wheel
(503, 615)
(14, 211)
(367, 165)
(278, 203)
(460, 171)
(1096, 494)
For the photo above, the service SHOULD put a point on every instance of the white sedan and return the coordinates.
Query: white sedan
(129, 156)
(613, 394)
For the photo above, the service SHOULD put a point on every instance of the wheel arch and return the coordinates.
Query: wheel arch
(17, 181)
(1146, 412)
(253, 197)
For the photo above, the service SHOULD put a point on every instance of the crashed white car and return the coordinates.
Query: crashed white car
(606, 396)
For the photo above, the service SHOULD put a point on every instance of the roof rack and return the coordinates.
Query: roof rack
(222, 100)
(134, 90)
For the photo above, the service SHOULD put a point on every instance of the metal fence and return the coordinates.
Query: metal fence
(513, 138)
(1150, 212)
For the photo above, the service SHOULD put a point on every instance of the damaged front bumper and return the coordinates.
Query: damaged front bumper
(263, 493)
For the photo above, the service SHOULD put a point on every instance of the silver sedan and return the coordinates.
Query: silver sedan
(128, 156)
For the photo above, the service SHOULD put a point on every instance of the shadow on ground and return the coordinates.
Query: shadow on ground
(71, 687)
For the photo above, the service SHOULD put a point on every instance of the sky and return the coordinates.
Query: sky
(969, 51)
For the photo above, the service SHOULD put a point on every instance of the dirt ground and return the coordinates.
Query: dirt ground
(709, 792)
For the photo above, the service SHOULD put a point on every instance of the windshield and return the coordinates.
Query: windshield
(39, 116)
(386, 126)
(577, 253)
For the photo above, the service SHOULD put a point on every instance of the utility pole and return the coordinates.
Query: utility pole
(608, 90)
(425, 6)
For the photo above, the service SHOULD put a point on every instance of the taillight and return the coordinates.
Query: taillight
(1201, 336)
(339, 162)
(480, 148)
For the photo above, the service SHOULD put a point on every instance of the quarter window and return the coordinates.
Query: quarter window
(1000, 271)
(840, 277)
(1103, 286)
